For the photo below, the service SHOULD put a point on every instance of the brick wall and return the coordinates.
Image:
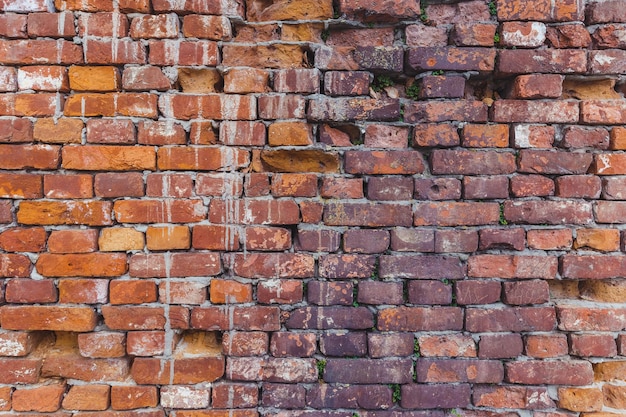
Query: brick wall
(312, 208)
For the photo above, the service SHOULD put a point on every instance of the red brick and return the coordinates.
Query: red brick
(102, 344)
(367, 214)
(422, 35)
(333, 187)
(415, 319)
(473, 34)
(430, 134)
(103, 158)
(579, 137)
(23, 239)
(297, 80)
(185, 370)
(132, 292)
(550, 239)
(425, 396)
(513, 397)
(451, 58)
(110, 131)
(526, 292)
(158, 211)
(512, 266)
(481, 188)
(279, 292)
(182, 292)
(533, 136)
(282, 107)
(447, 345)
(34, 105)
(456, 213)
(511, 319)
(68, 186)
(573, 35)
(548, 212)
(554, 162)
(581, 399)
(294, 185)
(28, 291)
(104, 24)
(537, 86)
(228, 184)
(125, 184)
(155, 26)
(73, 241)
(317, 240)
(146, 343)
(389, 188)
(76, 265)
(16, 131)
(174, 265)
(87, 397)
(546, 346)
(528, 111)
(590, 345)
(40, 52)
(477, 292)
(442, 111)
(229, 292)
(250, 211)
(43, 78)
(133, 397)
(550, 372)
(429, 292)
(21, 186)
(578, 186)
(13, 25)
(169, 185)
(454, 370)
(234, 395)
(91, 213)
(46, 398)
(267, 238)
(202, 159)
(74, 319)
(572, 318)
(87, 291)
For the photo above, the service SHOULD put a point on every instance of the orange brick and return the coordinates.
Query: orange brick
(209, 106)
(109, 158)
(132, 292)
(294, 185)
(546, 346)
(599, 239)
(186, 371)
(23, 239)
(45, 399)
(550, 239)
(87, 397)
(147, 343)
(133, 397)
(68, 186)
(189, 53)
(158, 26)
(102, 344)
(182, 292)
(30, 291)
(111, 104)
(14, 265)
(73, 241)
(227, 291)
(290, 134)
(157, 211)
(246, 80)
(92, 213)
(113, 51)
(20, 186)
(202, 159)
(580, 399)
(136, 6)
(84, 5)
(5, 398)
(120, 239)
(267, 238)
(92, 78)
(82, 265)
(485, 136)
(38, 52)
(133, 318)
(168, 238)
(207, 27)
(35, 105)
(83, 291)
(69, 319)
(29, 156)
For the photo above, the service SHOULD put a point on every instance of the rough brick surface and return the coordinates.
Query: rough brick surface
(299, 208)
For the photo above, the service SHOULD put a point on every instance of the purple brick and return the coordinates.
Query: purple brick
(433, 86)
(412, 240)
(376, 293)
(500, 346)
(456, 240)
(477, 292)
(437, 189)
(347, 266)
(346, 83)
(323, 318)
(421, 267)
(347, 344)
(509, 239)
(429, 292)
(318, 240)
(369, 371)
(366, 241)
(283, 395)
(422, 396)
(389, 188)
(483, 188)
(326, 293)
(390, 344)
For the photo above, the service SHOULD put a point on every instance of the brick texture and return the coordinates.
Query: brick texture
(312, 208)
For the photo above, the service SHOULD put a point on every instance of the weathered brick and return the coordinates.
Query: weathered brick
(500, 346)
(377, 293)
(234, 395)
(40, 52)
(75, 319)
(330, 293)
(29, 291)
(423, 396)
(13, 25)
(451, 58)
(281, 370)
(415, 319)
(346, 83)
(392, 344)
(456, 213)
(73, 241)
(280, 291)
(442, 111)
(412, 240)
(421, 267)
(177, 371)
(531, 111)
(174, 265)
(367, 214)
(431, 134)
(455, 370)
(512, 266)
(235, 318)
(546, 346)
(481, 188)
(572, 318)
(87, 291)
(513, 319)
(429, 292)
(283, 395)
(452, 345)
(589, 345)
(512, 238)
(526, 292)
(330, 318)
(549, 372)
(473, 34)
(512, 397)
(477, 292)
(548, 212)
(437, 189)
(342, 109)
(91, 213)
(333, 187)
(46, 398)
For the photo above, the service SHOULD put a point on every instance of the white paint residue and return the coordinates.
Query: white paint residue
(603, 59)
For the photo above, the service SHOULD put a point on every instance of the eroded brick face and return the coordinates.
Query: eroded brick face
(312, 208)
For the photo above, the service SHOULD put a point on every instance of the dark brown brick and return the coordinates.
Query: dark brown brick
(511, 319)
(462, 162)
(420, 267)
(318, 240)
(369, 371)
(389, 188)
(512, 239)
(500, 346)
(422, 396)
(330, 318)
(442, 111)
(451, 58)
(432, 86)
(347, 344)
(346, 83)
(429, 292)
(286, 344)
(377, 293)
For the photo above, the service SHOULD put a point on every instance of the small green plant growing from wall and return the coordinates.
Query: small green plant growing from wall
(321, 366)
(502, 219)
(496, 38)
(437, 72)
(416, 348)
(413, 91)
(396, 395)
(493, 9)
(381, 82)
